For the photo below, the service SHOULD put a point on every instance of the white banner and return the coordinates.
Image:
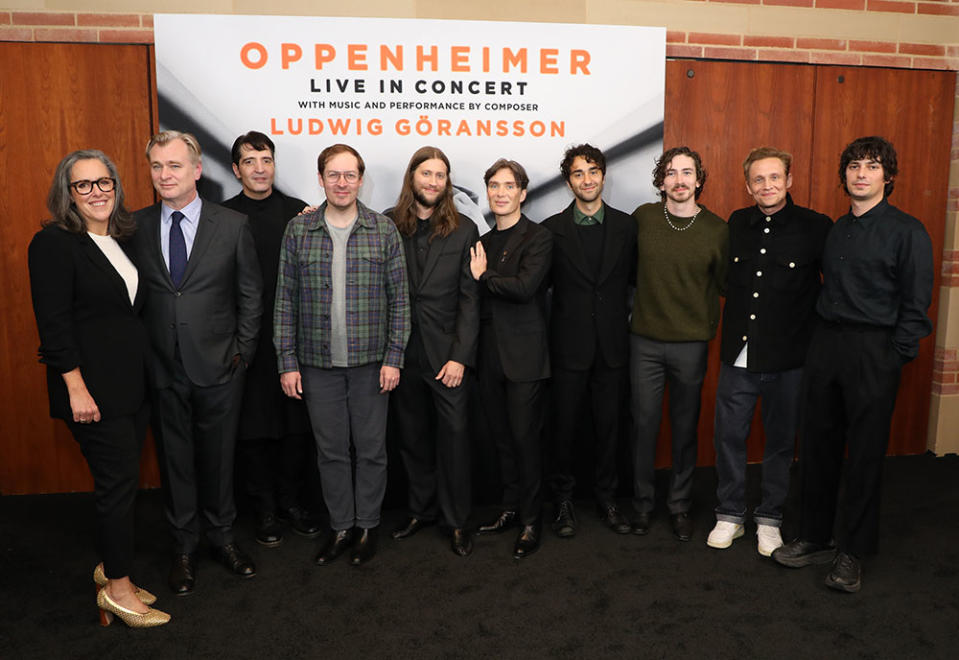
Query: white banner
(478, 90)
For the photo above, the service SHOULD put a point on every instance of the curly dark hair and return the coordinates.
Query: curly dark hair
(662, 163)
(587, 152)
(871, 148)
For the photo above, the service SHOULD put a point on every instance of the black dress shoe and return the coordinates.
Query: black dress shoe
(234, 559)
(412, 526)
(527, 542)
(846, 573)
(640, 524)
(682, 526)
(268, 531)
(613, 519)
(336, 544)
(506, 520)
(301, 521)
(364, 546)
(565, 522)
(182, 576)
(799, 553)
(461, 543)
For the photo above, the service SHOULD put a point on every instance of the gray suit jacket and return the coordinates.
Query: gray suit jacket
(215, 314)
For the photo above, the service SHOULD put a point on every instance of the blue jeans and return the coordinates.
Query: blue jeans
(736, 398)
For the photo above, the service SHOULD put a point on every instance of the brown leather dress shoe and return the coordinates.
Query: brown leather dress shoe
(527, 542)
(505, 520)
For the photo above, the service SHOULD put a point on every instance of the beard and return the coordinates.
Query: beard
(426, 203)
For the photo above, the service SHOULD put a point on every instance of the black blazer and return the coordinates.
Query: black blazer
(588, 310)
(444, 299)
(85, 320)
(516, 281)
(215, 314)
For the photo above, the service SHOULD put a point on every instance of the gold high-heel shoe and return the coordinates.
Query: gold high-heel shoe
(100, 578)
(108, 609)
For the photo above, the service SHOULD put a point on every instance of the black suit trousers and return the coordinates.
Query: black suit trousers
(601, 388)
(433, 439)
(849, 391)
(196, 430)
(112, 448)
(514, 411)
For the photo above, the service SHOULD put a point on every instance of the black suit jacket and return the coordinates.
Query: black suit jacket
(589, 310)
(85, 320)
(515, 282)
(215, 314)
(444, 298)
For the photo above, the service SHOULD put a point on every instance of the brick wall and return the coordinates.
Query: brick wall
(138, 28)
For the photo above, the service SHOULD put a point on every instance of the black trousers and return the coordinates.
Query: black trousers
(195, 429)
(112, 448)
(433, 425)
(275, 470)
(601, 388)
(849, 393)
(515, 415)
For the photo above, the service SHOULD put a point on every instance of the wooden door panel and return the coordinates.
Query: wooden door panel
(55, 98)
(912, 109)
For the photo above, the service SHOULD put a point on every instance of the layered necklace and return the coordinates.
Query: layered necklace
(677, 228)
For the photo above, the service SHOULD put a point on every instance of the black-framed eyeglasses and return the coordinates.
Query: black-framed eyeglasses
(84, 187)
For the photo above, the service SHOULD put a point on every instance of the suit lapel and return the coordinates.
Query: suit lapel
(92, 252)
(152, 259)
(574, 245)
(612, 245)
(205, 230)
(433, 250)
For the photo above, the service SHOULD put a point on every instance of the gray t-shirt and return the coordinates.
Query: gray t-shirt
(338, 347)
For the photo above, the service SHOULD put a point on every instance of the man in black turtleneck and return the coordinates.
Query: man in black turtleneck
(275, 437)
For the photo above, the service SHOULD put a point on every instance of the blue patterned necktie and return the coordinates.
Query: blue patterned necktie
(177, 250)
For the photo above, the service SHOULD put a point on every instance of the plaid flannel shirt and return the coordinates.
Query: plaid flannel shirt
(377, 299)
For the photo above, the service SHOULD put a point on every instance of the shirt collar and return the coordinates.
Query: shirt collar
(872, 213)
(780, 215)
(191, 212)
(579, 216)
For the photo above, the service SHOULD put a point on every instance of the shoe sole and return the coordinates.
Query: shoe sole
(565, 532)
(722, 546)
(842, 586)
(269, 544)
(766, 552)
(818, 557)
(307, 535)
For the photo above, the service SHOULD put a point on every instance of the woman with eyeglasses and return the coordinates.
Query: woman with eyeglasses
(86, 298)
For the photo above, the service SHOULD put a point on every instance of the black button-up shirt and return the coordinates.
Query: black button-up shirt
(772, 286)
(877, 270)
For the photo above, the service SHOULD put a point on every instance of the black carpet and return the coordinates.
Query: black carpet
(594, 596)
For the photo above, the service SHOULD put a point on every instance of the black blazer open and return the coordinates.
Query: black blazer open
(85, 320)
(215, 314)
(516, 281)
(446, 317)
(588, 310)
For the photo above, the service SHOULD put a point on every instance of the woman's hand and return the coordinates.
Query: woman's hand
(84, 408)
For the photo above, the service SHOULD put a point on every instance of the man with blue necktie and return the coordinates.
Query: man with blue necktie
(203, 311)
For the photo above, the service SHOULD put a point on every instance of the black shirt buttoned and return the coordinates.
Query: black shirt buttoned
(878, 271)
(772, 286)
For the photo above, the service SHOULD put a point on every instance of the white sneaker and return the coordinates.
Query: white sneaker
(768, 539)
(723, 534)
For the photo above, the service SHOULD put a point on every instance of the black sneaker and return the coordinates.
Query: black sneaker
(846, 573)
